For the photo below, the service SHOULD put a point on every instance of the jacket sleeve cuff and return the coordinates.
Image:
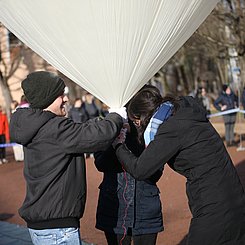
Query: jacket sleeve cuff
(117, 146)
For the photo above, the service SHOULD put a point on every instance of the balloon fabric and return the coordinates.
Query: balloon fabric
(110, 48)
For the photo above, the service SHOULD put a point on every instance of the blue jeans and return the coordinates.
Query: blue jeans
(69, 236)
(230, 121)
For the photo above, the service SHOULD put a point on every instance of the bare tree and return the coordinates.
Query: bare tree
(206, 55)
(10, 58)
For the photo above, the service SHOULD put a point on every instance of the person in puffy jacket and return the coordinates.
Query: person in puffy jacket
(77, 112)
(190, 145)
(128, 210)
(54, 165)
(227, 101)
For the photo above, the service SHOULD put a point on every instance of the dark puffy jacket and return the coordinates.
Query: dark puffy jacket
(92, 110)
(54, 165)
(224, 99)
(78, 115)
(190, 145)
(144, 213)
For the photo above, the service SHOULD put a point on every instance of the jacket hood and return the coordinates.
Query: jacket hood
(189, 109)
(26, 122)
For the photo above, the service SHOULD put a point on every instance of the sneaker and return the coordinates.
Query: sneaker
(4, 160)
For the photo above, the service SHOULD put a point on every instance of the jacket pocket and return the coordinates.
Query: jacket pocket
(42, 237)
(108, 203)
(150, 203)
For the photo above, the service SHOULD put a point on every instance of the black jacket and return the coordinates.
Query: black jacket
(230, 100)
(144, 211)
(54, 166)
(191, 146)
(78, 114)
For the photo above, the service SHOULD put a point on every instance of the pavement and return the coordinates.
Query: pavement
(11, 234)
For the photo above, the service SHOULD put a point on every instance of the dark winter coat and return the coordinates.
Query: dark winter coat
(78, 114)
(92, 110)
(54, 165)
(230, 100)
(191, 146)
(144, 213)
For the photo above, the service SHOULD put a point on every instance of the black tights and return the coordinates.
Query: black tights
(145, 239)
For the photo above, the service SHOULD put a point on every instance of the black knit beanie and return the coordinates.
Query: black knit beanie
(42, 88)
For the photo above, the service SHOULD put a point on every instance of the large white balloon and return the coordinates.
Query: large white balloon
(109, 47)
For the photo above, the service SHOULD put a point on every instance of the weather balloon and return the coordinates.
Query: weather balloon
(111, 48)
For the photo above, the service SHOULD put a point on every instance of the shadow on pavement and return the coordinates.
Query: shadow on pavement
(5, 216)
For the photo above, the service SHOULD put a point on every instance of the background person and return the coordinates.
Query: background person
(190, 145)
(4, 135)
(92, 112)
(203, 100)
(104, 110)
(90, 106)
(227, 100)
(54, 165)
(77, 112)
(17, 148)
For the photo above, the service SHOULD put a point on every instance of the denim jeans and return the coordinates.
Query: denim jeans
(68, 236)
(230, 121)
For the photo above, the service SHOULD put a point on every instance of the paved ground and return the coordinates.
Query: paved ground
(12, 234)
(172, 186)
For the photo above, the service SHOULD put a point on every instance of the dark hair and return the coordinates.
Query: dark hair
(143, 105)
(224, 87)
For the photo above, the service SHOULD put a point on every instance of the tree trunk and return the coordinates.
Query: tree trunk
(221, 73)
(6, 95)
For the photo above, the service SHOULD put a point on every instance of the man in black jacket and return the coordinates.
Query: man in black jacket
(54, 166)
